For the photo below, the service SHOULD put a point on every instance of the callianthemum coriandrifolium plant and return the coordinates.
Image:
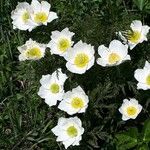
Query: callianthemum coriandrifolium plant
(52, 87)
(143, 77)
(21, 17)
(75, 101)
(60, 42)
(31, 50)
(80, 58)
(69, 131)
(114, 55)
(130, 109)
(137, 34)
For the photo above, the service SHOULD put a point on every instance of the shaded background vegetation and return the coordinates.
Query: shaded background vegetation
(26, 121)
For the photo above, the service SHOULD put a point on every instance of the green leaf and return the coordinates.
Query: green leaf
(143, 147)
(143, 5)
(146, 131)
(147, 7)
(140, 3)
(127, 140)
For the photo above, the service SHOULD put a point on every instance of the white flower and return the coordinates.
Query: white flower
(41, 12)
(136, 35)
(130, 109)
(143, 77)
(31, 50)
(61, 42)
(52, 87)
(21, 17)
(80, 58)
(75, 101)
(114, 55)
(69, 131)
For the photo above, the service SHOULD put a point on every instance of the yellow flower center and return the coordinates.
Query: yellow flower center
(40, 17)
(131, 111)
(34, 52)
(148, 80)
(54, 88)
(134, 36)
(25, 16)
(64, 44)
(113, 58)
(81, 60)
(72, 131)
(77, 103)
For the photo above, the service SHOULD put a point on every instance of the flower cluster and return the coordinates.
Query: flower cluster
(80, 58)
(68, 130)
(28, 17)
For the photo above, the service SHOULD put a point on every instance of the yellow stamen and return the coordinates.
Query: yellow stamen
(40, 17)
(81, 60)
(131, 111)
(148, 80)
(133, 36)
(25, 16)
(113, 58)
(64, 44)
(54, 88)
(72, 131)
(34, 52)
(77, 103)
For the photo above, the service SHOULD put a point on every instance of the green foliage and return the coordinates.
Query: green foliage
(133, 139)
(26, 121)
(146, 131)
(143, 5)
(127, 140)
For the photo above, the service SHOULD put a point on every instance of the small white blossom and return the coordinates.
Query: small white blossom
(69, 131)
(136, 35)
(52, 87)
(75, 101)
(116, 54)
(130, 109)
(143, 77)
